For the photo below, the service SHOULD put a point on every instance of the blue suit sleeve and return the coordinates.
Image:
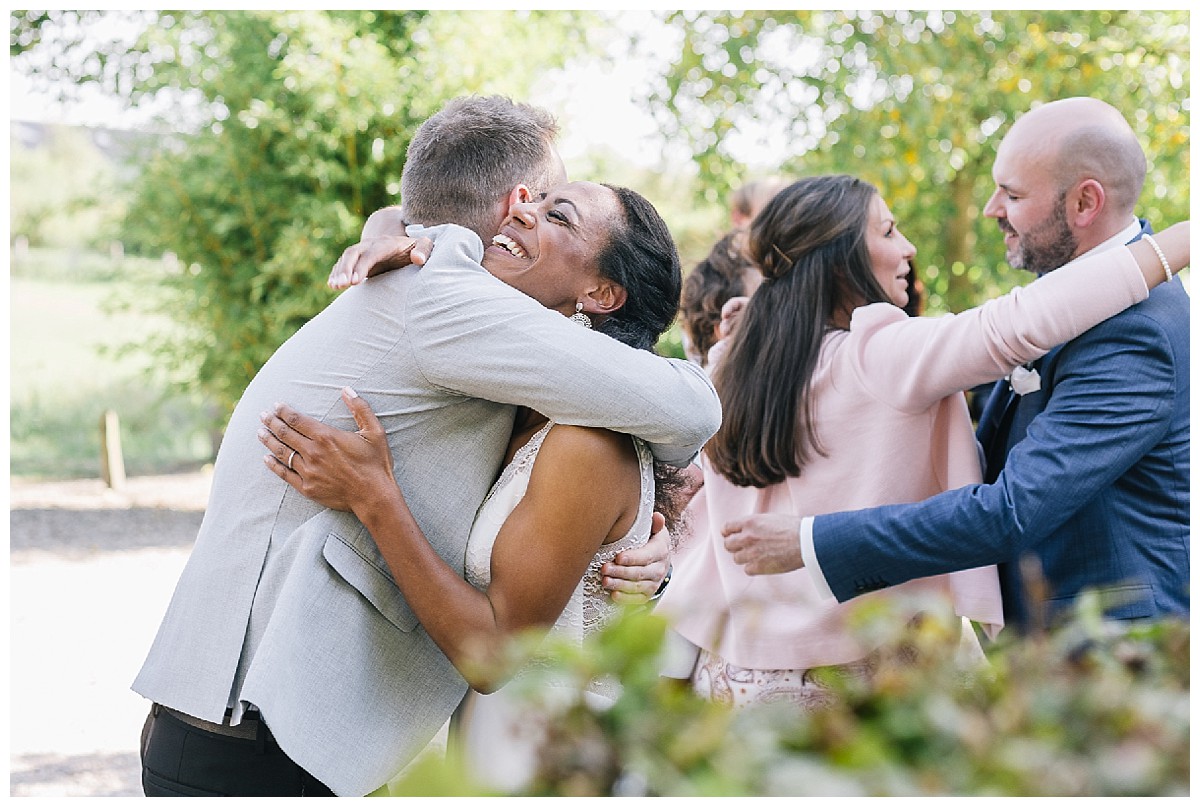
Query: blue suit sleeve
(1113, 391)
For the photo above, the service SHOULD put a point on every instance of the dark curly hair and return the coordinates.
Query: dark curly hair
(641, 256)
(720, 276)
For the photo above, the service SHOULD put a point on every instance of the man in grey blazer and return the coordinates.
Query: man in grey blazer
(285, 615)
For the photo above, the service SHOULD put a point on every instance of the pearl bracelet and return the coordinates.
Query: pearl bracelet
(1158, 250)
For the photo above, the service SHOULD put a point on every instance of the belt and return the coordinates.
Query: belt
(246, 730)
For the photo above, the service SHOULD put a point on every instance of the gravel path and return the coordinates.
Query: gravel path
(90, 574)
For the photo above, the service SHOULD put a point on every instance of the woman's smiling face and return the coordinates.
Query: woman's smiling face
(548, 248)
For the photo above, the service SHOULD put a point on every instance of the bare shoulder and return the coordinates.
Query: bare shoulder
(590, 477)
(600, 446)
(590, 470)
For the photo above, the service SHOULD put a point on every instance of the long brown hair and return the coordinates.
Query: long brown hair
(810, 242)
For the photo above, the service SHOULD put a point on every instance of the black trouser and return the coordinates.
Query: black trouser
(179, 759)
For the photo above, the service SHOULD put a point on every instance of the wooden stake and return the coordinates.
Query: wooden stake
(112, 461)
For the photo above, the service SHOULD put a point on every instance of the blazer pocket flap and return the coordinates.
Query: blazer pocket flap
(369, 580)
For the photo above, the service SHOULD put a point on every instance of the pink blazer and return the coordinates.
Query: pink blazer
(893, 420)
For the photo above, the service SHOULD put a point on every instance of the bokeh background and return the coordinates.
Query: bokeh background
(180, 184)
(160, 253)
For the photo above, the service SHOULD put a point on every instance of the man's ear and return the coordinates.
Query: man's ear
(520, 194)
(1085, 203)
(605, 298)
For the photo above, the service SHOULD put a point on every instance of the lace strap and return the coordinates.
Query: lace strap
(521, 460)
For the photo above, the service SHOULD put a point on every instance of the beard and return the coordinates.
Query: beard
(1045, 247)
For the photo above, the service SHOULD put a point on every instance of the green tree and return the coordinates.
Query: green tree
(63, 190)
(916, 102)
(295, 129)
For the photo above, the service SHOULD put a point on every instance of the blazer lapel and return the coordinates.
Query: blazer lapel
(994, 424)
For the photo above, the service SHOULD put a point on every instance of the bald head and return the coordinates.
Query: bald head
(1068, 175)
(1077, 139)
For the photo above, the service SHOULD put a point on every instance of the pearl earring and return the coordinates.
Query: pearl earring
(580, 318)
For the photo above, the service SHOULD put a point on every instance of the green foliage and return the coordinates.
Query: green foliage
(299, 124)
(63, 192)
(25, 30)
(1084, 711)
(671, 343)
(916, 102)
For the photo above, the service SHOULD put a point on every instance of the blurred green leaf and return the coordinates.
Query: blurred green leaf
(1093, 709)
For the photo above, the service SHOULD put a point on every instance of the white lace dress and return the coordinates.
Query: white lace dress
(496, 732)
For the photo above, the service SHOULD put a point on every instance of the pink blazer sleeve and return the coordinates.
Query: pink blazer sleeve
(912, 362)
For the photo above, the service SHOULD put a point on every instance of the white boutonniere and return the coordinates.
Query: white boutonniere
(1025, 379)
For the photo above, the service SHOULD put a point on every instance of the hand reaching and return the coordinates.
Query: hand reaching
(731, 315)
(768, 543)
(634, 575)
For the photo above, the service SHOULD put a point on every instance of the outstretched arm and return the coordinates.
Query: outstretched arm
(540, 554)
(1096, 426)
(947, 354)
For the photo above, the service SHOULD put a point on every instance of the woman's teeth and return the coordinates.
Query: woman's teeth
(511, 246)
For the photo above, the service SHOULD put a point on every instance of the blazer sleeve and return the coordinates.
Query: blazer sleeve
(476, 336)
(913, 362)
(1111, 404)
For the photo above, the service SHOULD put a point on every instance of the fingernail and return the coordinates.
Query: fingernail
(350, 393)
(264, 416)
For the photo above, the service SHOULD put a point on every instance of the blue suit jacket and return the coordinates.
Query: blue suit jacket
(1095, 485)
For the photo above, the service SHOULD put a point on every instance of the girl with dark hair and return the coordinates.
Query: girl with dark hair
(726, 272)
(569, 498)
(835, 399)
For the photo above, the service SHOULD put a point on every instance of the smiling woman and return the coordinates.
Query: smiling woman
(551, 248)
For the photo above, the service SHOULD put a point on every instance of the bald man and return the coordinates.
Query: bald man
(1087, 477)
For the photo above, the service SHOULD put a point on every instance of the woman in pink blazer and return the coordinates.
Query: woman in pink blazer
(834, 399)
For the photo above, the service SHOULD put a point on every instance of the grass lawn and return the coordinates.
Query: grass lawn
(65, 374)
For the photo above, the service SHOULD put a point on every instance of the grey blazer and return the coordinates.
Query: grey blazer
(290, 607)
